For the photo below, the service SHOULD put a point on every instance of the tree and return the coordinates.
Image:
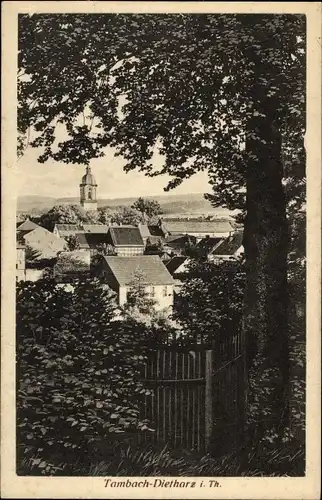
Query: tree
(72, 242)
(154, 248)
(67, 343)
(231, 103)
(148, 208)
(140, 309)
(105, 215)
(32, 254)
(67, 214)
(126, 216)
(210, 301)
(105, 249)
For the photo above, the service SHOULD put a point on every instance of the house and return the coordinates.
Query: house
(93, 241)
(178, 266)
(126, 240)
(43, 241)
(228, 249)
(20, 261)
(24, 270)
(27, 226)
(207, 245)
(70, 265)
(196, 227)
(65, 230)
(119, 273)
(145, 232)
(95, 228)
(178, 244)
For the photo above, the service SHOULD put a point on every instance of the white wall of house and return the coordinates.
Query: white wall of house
(29, 274)
(21, 258)
(213, 258)
(162, 294)
(200, 235)
(129, 251)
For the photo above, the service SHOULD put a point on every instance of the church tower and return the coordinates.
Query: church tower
(88, 188)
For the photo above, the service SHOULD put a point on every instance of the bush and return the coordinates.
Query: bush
(210, 301)
(78, 372)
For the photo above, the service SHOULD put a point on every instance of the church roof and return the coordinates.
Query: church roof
(88, 178)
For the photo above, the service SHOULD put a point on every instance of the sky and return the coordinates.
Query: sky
(59, 180)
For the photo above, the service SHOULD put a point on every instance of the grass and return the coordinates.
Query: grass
(150, 460)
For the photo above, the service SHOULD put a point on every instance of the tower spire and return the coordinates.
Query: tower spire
(88, 190)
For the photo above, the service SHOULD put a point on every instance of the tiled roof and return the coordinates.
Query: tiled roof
(95, 228)
(27, 225)
(44, 241)
(175, 263)
(73, 228)
(209, 243)
(179, 241)
(92, 240)
(230, 245)
(150, 266)
(144, 230)
(126, 236)
(155, 230)
(195, 226)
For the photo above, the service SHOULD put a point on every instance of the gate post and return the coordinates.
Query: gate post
(208, 398)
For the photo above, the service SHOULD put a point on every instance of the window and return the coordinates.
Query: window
(165, 291)
(152, 291)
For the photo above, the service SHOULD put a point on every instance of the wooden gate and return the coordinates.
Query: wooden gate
(198, 393)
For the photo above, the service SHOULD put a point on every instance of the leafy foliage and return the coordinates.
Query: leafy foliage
(31, 254)
(78, 371)
(143, 461)
(148, 208)
(127, 216)
(72, 242)
(67, 214)
(210, 300)
(189, 101)
(220, 93)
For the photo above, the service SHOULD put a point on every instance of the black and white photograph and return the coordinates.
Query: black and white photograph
(161, 231)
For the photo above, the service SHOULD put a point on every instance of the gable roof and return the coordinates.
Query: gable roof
(126, 236)
(95, 228)
(209, 243)
(151, 266)
(144, 230)
(27, 225)
(44, 241)
(179, 240)
(230, 245)
(197, 226)
(69, 228)
(175, 263)
(92, 240)
(156, 230)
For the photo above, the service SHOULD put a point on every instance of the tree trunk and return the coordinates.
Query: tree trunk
(266, 245)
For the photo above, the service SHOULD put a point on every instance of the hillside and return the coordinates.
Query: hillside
(171, 204)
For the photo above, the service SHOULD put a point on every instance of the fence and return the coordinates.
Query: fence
(198, 393)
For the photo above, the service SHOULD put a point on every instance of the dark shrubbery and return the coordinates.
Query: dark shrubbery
(78, 372)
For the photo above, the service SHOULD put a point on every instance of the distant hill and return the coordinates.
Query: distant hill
(185, 204)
